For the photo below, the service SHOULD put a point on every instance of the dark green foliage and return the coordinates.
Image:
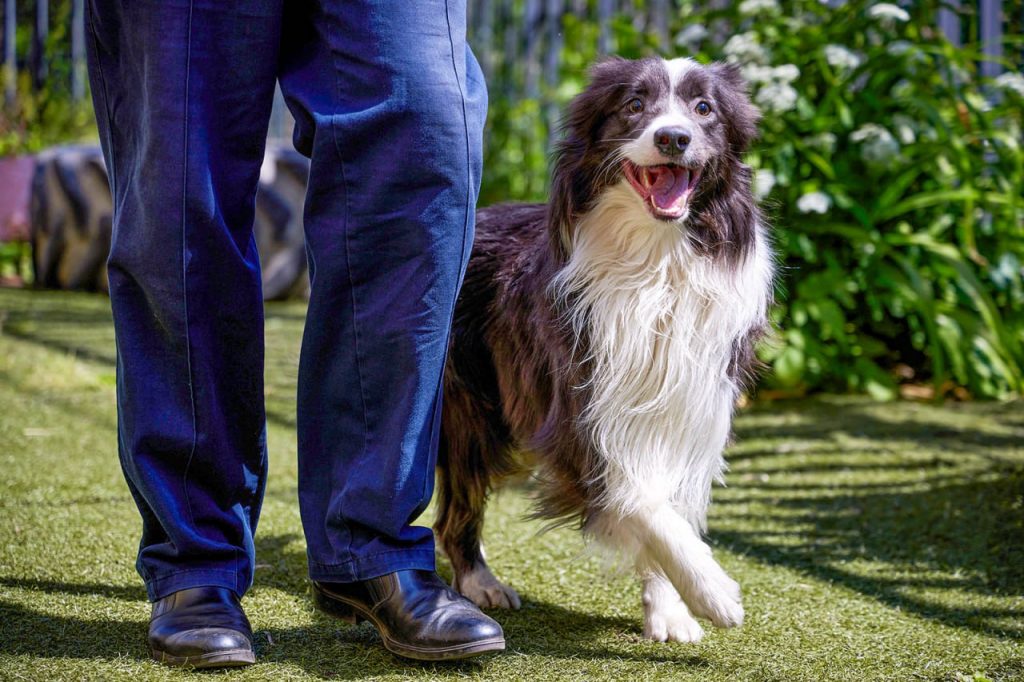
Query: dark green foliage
(893, 175)
(43, 117)
(15, 262)
(913, 272)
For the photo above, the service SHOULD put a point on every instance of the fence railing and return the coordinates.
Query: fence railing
(524, 33)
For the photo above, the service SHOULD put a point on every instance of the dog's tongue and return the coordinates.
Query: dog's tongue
(668, 184)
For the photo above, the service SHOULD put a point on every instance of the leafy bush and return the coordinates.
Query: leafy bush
(47, 116)
(893, 175)
(15, 263)
(42, 119)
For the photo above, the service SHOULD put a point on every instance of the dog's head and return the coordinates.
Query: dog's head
(672, 131)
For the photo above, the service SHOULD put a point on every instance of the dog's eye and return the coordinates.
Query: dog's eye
(703, 108)
(635, 105)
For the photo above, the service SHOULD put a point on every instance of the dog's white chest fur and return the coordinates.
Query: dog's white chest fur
(661, 322)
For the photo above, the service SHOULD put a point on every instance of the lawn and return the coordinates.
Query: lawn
(873, 541)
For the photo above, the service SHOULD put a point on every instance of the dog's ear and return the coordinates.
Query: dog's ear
(565, 200)
(740, 115)
(588, 110)
(571, 181)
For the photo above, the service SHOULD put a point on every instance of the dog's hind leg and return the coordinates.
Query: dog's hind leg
(666, 618)
(463, 478)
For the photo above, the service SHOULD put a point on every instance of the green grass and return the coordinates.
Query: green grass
(873, 541)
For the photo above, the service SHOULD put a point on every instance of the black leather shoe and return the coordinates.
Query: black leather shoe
(201, 627)
(417, 614)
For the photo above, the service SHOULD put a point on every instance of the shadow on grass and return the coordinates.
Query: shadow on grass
(81, 325)
(327, 648)
(817, 421)
(25, 632)
(63, 326)
(51, 587)
(960, 514)
(964, 523)
(539, 628)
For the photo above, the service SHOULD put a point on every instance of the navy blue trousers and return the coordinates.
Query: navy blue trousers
(389, 106)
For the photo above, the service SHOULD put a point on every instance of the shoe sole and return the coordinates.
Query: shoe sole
(233, 658)
(351, 612)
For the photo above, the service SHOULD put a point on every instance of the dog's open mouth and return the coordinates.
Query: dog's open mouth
(665, 189)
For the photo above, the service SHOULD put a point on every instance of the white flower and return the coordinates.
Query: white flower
(898, 47)
(691, 37)
(961, 76)
(978, 102)
(909, 51)
(776, 97)
(814, 202)
(878, 146)
(1011, 138)
(841, 57)
(904, 126)
(1010, 81)
(945, 167)
(774, 94)
(743, 48)
(887, 13)
(1008, 271)
(787, 73)
(764, 181)
(754, 73)
(823, 141)
(752, 7)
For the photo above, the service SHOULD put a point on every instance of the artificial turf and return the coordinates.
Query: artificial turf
(873, 541)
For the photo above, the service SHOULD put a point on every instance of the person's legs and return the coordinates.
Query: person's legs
(390, 106)
(183, 91)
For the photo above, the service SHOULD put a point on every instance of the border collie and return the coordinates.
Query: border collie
(609, 333)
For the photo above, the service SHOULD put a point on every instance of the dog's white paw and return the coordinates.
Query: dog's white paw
(714, 595)
(481, 587)
(670, 622)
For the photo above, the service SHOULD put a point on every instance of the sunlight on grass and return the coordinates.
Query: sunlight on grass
(873, 541)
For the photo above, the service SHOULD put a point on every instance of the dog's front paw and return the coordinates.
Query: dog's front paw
(670, 622)
(481, 587)
(716, 596)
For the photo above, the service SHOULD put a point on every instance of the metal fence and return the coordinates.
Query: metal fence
(527, 33)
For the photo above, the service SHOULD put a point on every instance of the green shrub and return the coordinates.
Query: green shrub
(48, 116)
(894, 178)
(43, 119)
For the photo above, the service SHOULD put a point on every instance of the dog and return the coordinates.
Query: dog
(609, 333)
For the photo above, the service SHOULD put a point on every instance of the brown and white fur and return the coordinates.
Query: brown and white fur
(609, 333)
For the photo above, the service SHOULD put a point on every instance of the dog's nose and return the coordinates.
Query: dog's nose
(672, 140)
